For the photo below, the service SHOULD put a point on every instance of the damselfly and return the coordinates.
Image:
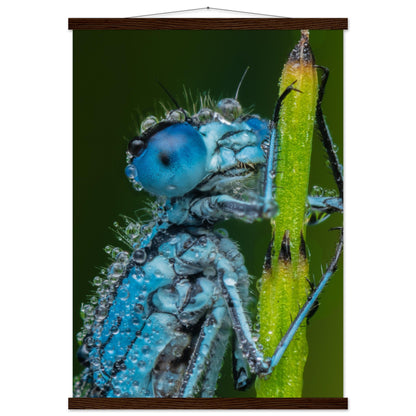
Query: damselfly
(163, 316)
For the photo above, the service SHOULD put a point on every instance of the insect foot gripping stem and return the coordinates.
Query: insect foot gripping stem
(227, 279)
(303, 313)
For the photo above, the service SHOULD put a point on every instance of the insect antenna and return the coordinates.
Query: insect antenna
(241, 81)
(169, 94)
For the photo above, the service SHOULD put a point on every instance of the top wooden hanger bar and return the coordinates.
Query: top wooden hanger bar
(207, 23)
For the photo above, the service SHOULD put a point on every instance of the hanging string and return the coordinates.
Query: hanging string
(206, 9)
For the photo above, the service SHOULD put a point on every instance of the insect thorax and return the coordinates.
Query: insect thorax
(147, 327)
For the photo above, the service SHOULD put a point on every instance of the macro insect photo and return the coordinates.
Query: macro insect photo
(185, 223)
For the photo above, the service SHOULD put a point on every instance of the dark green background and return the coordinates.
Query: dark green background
(115, 86)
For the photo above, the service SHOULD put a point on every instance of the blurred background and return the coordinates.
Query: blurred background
(115, 87)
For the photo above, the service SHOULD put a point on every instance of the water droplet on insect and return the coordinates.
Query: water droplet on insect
(97, 281)
(101, 313)
(138, 308)
(123, 293)
(123, 257)
(146, 350)
(176, 115)
(317, 191)
(137, 186)
(116, 269)
(330, 193)
(139, 256)
(133, 230)
(115, 252)
(80, 337)
(131, 171)
(147, 123)
(230, 108)
(205, 115)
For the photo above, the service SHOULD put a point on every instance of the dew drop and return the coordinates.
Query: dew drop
(317, 191)
(330, 193)
(133, 230)
(116, 270)
(97, 281)
(101, 313)
(139, 256)
(123, 293)
(137, 186)
(123, 257)
(146, 350)
(176, 115)
(205, 115)
(138, 308)
(131, 171)
(147, 123)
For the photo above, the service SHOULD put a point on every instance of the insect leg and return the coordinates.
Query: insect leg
(327, 141)
(241, 371)
(320, 208)
(227, 279)
(325, 204)
(203, 352)
(222, 206)
(285, 341)
(269, 202)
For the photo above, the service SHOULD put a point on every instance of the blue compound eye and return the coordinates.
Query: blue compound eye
(171, 162)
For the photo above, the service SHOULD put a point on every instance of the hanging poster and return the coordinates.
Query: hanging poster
(208, 200)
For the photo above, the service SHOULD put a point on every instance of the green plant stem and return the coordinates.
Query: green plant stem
(284, 286)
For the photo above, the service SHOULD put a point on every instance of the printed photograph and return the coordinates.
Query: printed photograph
(208, 213)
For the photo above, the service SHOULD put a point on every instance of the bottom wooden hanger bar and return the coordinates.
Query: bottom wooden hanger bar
(229, 403)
